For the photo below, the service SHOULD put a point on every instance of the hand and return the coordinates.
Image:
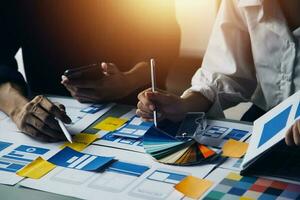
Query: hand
(114, 85)
(169, 106)
(37, 119)
(293, 135)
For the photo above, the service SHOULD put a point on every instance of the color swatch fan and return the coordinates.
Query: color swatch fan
(170, 150)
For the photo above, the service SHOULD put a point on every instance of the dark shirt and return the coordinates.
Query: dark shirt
(59, 34)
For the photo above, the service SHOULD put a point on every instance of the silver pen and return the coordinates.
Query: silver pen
(153, 86)
(64, 129)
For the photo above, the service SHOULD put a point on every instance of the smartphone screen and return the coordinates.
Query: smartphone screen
(92, 71)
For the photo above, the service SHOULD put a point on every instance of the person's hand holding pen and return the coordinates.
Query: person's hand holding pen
(37, 118)
(167, 106)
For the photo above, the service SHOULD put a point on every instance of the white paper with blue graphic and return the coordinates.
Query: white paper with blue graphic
(133, 176)
(117, 139)
(70, 158)
(218, 132)
(16, 151)
(82, 115)
(271, 128)
(135, 128)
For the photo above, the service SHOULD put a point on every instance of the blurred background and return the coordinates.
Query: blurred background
(196, 19)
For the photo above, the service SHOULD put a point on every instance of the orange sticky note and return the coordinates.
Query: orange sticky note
(234, 149)
(81, 141)
(36, 169)
(111, 124)
(193, 187)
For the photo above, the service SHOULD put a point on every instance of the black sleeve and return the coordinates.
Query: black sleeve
(9, 45)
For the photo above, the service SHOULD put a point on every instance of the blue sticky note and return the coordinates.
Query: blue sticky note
(76, 160)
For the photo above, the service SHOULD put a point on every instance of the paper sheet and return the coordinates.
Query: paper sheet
(81, 141)
(18, 150)
(36, 169)
(193, 187)
(234, 149)
(137, 182)
(219, 131)
(271, 128)
(70, 158)
(110, 124)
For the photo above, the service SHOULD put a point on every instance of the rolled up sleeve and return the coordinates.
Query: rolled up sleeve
(227, 76)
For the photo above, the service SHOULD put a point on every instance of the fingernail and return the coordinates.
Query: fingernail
(152, 108)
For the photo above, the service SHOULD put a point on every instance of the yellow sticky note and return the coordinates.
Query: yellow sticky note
(110, 124)
(193, 187)
(234, 149)
(81, 141)
(36, 169)
(234, 176)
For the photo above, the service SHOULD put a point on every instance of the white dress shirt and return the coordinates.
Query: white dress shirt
(252, 56)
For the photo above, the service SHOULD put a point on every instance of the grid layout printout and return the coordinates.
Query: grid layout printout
(235, 186)
(20, 157)
(135, 128)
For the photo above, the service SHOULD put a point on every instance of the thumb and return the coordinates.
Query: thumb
(159, 97)
(109, 68)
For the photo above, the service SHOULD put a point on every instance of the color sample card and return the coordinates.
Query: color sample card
(76, 160)
(135, 128)
(170, 150)
(235, 186)
(110, 124)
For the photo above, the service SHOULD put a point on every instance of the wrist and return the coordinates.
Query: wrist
(138, 76)
(11, 99)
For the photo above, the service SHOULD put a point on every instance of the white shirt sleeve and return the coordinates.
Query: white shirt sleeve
(227, 75)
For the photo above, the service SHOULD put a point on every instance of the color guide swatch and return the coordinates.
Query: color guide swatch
(235, 186)
(170, 150)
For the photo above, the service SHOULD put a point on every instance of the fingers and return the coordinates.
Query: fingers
(109, 69)
(148, 105)
(296, 133)
(80, 83)
(289, 140)
(54, 110)
(293, 135)
(44, 129)
(33, 132)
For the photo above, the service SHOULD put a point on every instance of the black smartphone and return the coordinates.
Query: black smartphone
(92, 71)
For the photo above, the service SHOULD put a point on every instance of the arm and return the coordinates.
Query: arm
(35, 117)
(227, 75)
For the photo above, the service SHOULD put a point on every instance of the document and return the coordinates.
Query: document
(18, 150)
(133, 176)
(118, 139)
